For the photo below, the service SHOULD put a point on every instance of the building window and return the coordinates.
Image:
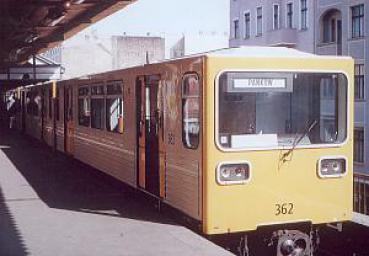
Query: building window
(190, 111)
(326, 28)
(236, 28)
(357, 16)
(259, 21)
(247, 25)
(114, 107)
(331, 27)
(304, 10)
(359, 82)
(97, 107)
(333, 30)
(289, 15)
(329, 30)
(359, 145)
(275, 16)
(84, 113)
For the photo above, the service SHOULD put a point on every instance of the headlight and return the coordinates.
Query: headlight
(233, 173)
(332, 167)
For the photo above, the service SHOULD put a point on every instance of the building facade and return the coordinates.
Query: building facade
(198, 43)
(131, 51)
(270, 22)
(333, 27)
(88, 53)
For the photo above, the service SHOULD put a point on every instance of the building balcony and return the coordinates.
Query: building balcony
(329, 49)
(282, 37)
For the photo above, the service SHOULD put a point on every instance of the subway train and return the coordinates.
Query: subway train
(253, 142)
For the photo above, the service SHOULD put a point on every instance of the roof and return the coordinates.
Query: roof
(238, 52)
(259, 51)
(33, 26)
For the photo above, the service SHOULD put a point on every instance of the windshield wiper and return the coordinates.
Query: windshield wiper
(297, 139)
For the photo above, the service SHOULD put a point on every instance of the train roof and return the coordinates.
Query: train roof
(238, 52)
(262, 52)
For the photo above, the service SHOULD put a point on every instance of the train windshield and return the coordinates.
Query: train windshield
(273, 110)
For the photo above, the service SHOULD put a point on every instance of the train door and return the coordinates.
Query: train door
(150, 162)
(161, 138)
(68, 120)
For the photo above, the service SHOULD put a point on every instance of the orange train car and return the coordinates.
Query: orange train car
(243, 140)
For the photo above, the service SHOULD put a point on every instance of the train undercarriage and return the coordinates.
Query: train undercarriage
(277, 240)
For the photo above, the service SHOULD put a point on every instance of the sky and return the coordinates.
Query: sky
(167, 18)
(173, 17)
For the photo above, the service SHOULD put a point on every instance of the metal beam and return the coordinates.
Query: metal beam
(80, 16)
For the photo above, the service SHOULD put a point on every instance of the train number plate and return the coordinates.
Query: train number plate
(284, 209)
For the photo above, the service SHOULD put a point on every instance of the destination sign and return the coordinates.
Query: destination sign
(260, 83)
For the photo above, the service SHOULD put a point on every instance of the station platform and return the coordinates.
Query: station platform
(51, 204)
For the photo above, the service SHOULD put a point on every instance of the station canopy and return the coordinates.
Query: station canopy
(30, 27)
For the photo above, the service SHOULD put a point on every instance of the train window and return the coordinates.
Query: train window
(97, 106)
(267, 110)
(33, 102)
(97, 90)
(50, 101)
(28, 102)
(190, 111)
(83, 91)
(114, 88)
(57, 104)
(114, 107)
(84, 113)
(97, 113)
(38, 102)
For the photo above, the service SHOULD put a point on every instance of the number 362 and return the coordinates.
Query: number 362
(285, 208)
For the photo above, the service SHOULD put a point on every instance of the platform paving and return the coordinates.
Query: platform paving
(51, 204)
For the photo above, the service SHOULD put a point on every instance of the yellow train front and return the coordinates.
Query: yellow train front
(277, 145)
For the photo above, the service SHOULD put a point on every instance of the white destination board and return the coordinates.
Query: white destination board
(260, 83)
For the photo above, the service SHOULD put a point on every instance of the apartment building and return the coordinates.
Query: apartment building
(333, 27)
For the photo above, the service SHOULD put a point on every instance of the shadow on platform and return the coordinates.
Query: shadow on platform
(64, 183)
(11, 242)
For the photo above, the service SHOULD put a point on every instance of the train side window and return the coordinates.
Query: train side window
(57, 104)
(190, 111)
(84, 113)
(50, 100)
(97, 106)
(28, 102)
(38, 100)
(114, 107)
(33, 102)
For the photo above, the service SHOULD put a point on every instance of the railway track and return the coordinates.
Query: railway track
(352, 241)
